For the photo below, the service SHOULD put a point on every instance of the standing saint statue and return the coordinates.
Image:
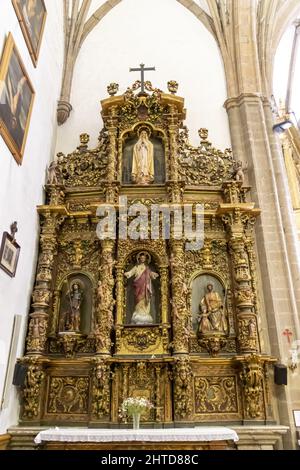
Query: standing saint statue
(143, 161)
(142, 286)
(212, 312)
(70, 320)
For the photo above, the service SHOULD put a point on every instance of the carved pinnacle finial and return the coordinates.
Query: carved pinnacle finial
(84, 139)
(203, 133)
(14, 229)
(172, 86)
(112, 89)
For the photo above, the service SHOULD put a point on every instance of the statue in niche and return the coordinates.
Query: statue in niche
(212, 317)
(70, 318)
(143, 160)
(142, 286)
(53, 173)
(239, 171)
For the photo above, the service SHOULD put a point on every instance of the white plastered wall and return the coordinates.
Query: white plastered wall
(160, 33)
(21, 187)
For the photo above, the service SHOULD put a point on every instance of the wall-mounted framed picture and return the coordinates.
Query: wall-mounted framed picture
(9, 254)
(16, 100)
(32, 17)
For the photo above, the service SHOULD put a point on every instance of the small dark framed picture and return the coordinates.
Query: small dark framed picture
(9, 254)
(32, 17)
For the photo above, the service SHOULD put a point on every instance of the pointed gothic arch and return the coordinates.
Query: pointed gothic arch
(269, 21)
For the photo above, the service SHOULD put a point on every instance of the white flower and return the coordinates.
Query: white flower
(134, 405)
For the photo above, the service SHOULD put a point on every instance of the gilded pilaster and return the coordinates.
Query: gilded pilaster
(101, 390)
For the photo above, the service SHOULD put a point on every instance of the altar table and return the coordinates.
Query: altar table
(198, 438)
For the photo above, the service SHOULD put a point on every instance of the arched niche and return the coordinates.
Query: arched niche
(129, 291)
(198, 285)
(76, 304)
(158, 141)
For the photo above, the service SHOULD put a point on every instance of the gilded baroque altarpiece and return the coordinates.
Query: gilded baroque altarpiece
(199, 359)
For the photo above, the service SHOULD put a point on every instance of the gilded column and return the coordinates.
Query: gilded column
(106, 302)
(120, 294)
(158, 407)
(163, 272)
(41, 296)
(180, 316)
(173, 133)
(238, 219)
(111, 124)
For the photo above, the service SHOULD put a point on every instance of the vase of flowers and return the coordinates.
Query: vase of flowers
(135, 406)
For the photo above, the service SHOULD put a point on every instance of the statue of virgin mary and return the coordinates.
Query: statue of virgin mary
(143, 161)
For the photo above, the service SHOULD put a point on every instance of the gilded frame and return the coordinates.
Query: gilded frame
(32, 28)
(16, 100)
(9, 254)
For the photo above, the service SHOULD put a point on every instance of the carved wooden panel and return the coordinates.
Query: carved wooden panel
(68, 395)
(215, 394)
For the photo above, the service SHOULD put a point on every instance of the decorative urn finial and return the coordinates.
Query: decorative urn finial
(203, 133)
(84, 140)
(112, 89)
(172, 86)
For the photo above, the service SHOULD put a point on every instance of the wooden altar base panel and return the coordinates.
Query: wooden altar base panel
(133, 445)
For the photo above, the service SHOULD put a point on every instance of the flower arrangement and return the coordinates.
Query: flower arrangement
(135, 405)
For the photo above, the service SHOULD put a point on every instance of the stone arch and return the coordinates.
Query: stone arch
(76, 31)
(267, 22)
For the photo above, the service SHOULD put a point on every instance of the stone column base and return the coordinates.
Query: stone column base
(260, 437)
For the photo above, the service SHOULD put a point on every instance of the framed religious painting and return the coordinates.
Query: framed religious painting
(16, 100)
(9, 254)
(32, 17)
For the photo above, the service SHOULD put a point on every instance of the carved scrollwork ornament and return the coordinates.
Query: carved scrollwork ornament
(31, 392)
(213, 342)
(252, 375)
(183, 377)
(102, 376)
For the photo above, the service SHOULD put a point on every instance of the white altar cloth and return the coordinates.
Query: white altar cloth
(197, 434)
